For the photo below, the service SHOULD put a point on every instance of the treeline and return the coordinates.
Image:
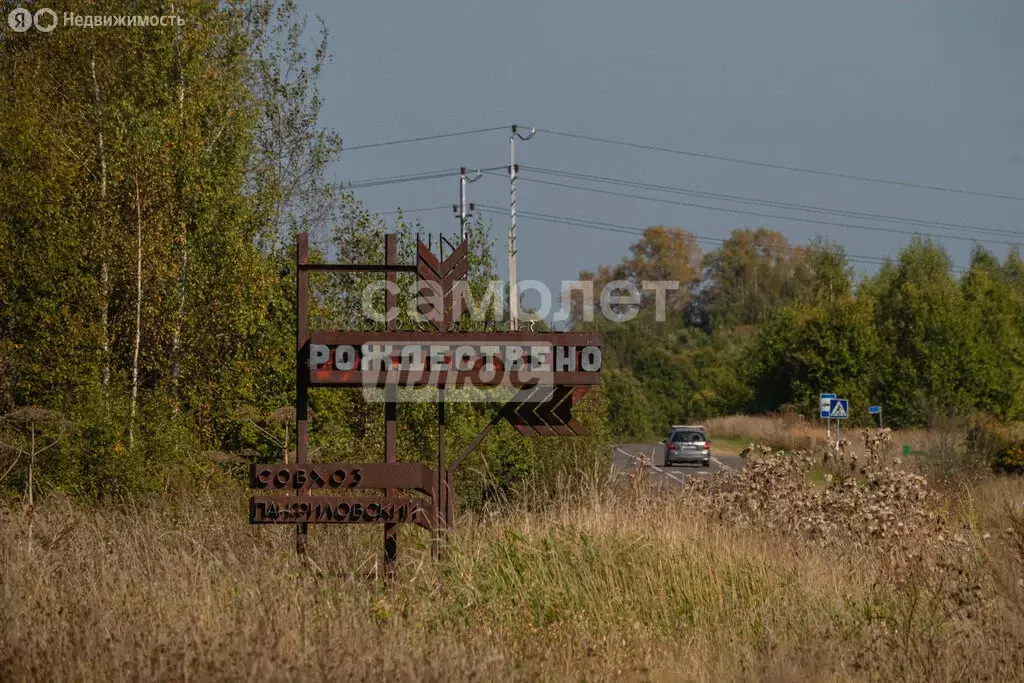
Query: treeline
(152, 182)
(760, 325)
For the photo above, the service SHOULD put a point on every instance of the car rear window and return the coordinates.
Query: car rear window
(687, 437)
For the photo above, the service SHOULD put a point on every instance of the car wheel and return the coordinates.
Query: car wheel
(707, 463)
(668, 464)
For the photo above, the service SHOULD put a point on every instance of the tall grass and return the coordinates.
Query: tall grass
(606, 582)
(791, 432)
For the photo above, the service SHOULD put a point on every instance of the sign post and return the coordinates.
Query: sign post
(545, 374)
(824, 402)
(876, 410)
(839, 409)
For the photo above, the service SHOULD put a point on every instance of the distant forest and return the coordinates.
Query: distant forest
(761, 325)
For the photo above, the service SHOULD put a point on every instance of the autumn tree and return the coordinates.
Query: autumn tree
(751, 274)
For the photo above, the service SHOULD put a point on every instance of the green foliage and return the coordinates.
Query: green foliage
(153, 184)
(770, 326)
(750, 275)
(1002, 447)
(802, 349)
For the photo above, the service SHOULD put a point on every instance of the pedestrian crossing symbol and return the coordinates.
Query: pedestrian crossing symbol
(839, 409)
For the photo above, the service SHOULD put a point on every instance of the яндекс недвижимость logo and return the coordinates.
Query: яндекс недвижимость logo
(21, 19)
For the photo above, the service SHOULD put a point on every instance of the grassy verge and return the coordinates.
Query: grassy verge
(728, 444)
(605, 584)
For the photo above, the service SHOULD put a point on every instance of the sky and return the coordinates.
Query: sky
(922, 91)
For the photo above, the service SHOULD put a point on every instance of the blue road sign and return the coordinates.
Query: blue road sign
(875, 410)
(839, 409)
(825, 400)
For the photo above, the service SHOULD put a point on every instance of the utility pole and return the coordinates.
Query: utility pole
(513, 276)
(464, 211)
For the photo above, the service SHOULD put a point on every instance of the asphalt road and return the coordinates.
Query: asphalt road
(627, 456)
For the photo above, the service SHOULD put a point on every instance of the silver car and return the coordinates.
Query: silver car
(688, 444)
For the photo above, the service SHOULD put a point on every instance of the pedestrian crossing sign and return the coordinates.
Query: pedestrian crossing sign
(839, 409)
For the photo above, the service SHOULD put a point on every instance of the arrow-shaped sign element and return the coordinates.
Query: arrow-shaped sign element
(546, 411)
(438, 281)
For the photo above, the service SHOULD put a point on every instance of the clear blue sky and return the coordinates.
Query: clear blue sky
(927, 91)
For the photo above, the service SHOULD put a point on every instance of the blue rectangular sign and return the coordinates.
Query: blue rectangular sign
(875, 410)
(825, 401)
(839, 409)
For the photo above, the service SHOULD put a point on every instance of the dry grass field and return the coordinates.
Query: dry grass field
(791, 432)
(945, 446)
(752, 575)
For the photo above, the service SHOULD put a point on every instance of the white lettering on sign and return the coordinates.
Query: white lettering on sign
(565, 359)
(411, 359)
(318, 355)
(489, 352)
(376, 357)
(458, 364)
(345, 357)
(540, 358)
(464, 358)
(514, 358)
(438, 357)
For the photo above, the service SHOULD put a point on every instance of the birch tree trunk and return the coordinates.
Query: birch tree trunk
(183, 277)
(104, 267)
(138, 317)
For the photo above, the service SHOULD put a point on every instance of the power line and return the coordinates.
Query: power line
(422, 139)
(409, 178)
(781, 167)
(406, 178)
(631, 230)
(851, 226)
(424, 209)
(809, 208)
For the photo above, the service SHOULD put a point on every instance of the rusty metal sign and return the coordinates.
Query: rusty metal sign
(454, 359)
(438, 284)
(340, 510)
(546, 411)
(342, 476)
(549, 373)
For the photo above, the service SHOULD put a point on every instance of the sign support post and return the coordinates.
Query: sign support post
(825, 411)
(839, 410)
(390, 397)
(302, 360)
(442, 481)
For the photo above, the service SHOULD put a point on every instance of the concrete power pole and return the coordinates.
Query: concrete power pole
(513, 276)
(464, 211)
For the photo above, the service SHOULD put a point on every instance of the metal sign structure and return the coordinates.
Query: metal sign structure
(547, 373)
(825, 401)
(839, 409)
(876, 410)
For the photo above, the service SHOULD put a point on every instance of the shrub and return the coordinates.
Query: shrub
(999, 445)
